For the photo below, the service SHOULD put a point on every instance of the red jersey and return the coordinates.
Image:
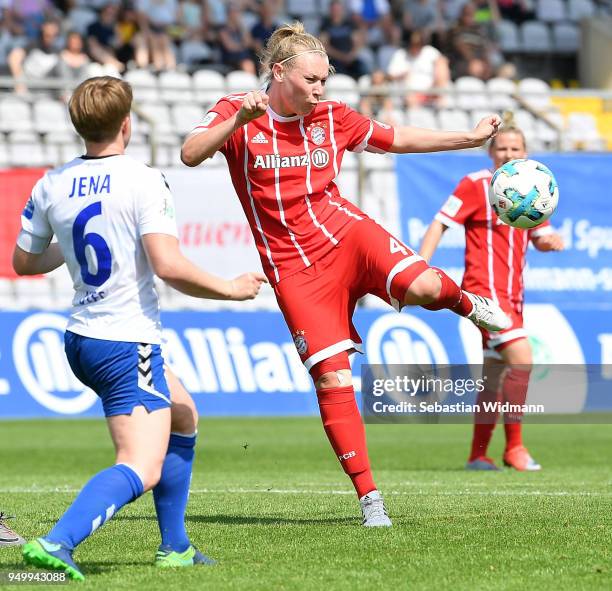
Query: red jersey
(283, 170)
(494, 251)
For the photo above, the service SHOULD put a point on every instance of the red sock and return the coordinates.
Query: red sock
(451, 296)
(484, 424)
(346, 433)
(515, 382)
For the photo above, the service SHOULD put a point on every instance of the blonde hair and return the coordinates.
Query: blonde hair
(98, 107)
(287, 42)
(508, 126)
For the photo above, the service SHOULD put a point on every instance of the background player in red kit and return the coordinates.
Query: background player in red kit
(494, 262)
(284, 148)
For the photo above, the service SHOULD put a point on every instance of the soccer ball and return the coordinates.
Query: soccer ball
(523, 193)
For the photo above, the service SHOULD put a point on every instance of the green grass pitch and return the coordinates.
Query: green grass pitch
(271, 504)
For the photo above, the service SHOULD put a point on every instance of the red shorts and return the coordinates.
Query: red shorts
(318, 302)
(493, 342)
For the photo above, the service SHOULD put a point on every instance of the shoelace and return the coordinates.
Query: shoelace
(375, 508)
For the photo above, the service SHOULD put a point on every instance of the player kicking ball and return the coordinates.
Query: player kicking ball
(284, 147)
(114, 221)
(494, 262)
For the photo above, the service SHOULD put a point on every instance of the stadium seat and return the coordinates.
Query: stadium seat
(579, 9)
(144, 84)
(22, 137)
(508, 35)
(536, 92)
(551, 11)
(51, 117)
(70, 150)
(140, 152)
(342, 88)
(175, 87)
(500, 93)
(239, 81)
(8, 301)
(15, 115)
(159, 113)
(422, 118)
(582, 131)
(546, 133)
(471, 93)
(566, 38)
(525, 121)
(185, 116)
(477, 114)
(27, 154)
(453, 120)
(209, 86)
(535, 37)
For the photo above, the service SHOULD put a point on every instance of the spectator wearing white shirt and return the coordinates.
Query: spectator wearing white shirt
(418, 68)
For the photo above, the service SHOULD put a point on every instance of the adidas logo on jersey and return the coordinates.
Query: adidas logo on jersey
(260, 138)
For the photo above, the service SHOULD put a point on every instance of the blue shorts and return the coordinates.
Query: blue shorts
(124, 375)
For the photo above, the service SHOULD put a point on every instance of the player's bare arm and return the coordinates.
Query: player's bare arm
(432, 238)
(548, 242)
(414, 139)
(170, 265)
(29, 263)
(201, 145)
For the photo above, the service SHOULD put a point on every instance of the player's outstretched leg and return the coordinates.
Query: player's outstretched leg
(346, 433)
(435, 290)
(141, 440)
(171, 493)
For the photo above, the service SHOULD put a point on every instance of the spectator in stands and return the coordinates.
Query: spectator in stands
(471, 46)
(377, 104)
(420, 68)
(197, 35)
(38, 60)
(262, 30)
(235, 42)
(343, 40)
(422, 15)
(216, 13)
(155, 18)
(113, 40)
(25, 17)
(517, 11)
(373, 17)
(73, 61)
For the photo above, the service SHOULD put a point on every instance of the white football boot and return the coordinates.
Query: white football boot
(487, 314)
(374, 511)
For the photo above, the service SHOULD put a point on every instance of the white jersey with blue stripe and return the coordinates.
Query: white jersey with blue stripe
(99, 209)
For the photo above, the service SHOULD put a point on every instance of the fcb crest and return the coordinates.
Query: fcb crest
(317, 132)
(300, 342)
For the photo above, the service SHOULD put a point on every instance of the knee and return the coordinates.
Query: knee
(184, 418)
(425, 289)
(334, 379)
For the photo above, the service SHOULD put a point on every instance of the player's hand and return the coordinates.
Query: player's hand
(254, 105)
(487, 128)
(548, 242)
(247, 286)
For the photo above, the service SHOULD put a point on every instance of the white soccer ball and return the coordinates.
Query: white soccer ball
(523, 193)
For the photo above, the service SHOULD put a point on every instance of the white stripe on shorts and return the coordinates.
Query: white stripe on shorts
(399, 267)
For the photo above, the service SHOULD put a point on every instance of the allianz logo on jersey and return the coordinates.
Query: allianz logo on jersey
(319, 158)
